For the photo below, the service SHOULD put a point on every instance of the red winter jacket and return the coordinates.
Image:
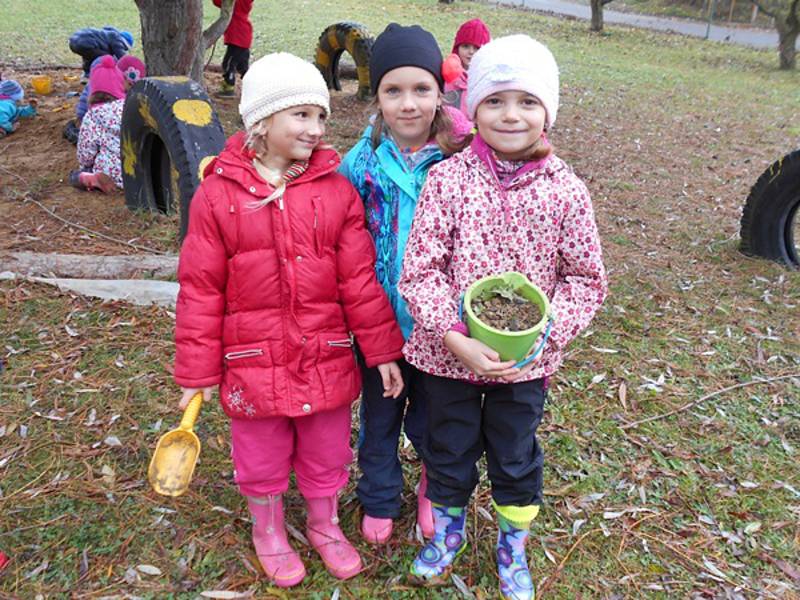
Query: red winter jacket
(269, 296)
(240, 29)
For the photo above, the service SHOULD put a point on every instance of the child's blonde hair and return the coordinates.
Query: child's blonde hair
(256, 141)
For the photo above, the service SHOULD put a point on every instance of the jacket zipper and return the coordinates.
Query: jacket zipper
(244, 354)
(346, 343)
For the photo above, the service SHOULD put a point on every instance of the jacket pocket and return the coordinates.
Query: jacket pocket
(246, 355)
(247, 390)
(240, 354)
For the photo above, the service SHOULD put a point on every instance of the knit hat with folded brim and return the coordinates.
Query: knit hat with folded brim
(515, 62)
(400, 46)
(12, 90)
(279, 81)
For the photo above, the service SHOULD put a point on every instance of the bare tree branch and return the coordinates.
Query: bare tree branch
(217, 28)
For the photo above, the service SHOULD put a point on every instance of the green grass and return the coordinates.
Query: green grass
(669, 133)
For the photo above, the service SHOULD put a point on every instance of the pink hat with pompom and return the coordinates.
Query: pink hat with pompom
(106, 77)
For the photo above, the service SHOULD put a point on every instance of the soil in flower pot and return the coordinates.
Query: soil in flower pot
(504, 309)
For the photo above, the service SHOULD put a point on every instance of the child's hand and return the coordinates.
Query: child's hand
(33, 102)
(479, 358)
(188, 394)
(392, 379)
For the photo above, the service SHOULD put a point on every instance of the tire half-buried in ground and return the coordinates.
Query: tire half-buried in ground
(169, 133)
(770, 225)
(337, 38)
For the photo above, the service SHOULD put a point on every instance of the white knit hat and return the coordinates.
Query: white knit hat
(515, 62)
(279, 81)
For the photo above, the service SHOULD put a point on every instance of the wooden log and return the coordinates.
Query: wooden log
(90, 266)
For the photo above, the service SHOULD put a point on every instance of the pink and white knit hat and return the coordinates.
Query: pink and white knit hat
(514, 62)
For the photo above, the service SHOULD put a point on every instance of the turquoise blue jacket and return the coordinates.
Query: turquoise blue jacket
(10, 112)
(389, 189)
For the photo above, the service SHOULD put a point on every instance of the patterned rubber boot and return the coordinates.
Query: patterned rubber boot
(339, 556)
(434, 562)
(280, 562)
(512, 564)
(424, 507)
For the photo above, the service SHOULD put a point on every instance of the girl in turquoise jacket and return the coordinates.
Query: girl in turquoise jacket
(388, 167)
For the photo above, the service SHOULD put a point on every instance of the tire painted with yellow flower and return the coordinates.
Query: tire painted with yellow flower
(169, 132)
(334, 41)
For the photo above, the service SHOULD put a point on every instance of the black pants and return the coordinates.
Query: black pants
(464, 420)
(381, 479)
(236, 59)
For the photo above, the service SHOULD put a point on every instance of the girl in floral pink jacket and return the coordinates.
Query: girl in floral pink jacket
(505, 203)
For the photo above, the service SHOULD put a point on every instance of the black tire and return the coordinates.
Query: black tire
(337, 38)
(769, 226)
(169, 132)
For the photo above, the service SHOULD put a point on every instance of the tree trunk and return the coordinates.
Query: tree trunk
(173, 39)
(171, 34)
(597, 15)
(787, 47)
(788, 29)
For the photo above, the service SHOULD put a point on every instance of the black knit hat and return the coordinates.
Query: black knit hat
(400, 46)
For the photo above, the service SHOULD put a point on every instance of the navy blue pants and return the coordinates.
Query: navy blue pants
(464, 420)
(382, 418)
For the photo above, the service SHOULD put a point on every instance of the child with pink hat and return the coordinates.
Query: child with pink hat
(98, 140)
(469, 38)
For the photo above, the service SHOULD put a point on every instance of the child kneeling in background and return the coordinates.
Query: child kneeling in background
(11, 95)
(98, 140)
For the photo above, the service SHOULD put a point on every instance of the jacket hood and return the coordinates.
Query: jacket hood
(235, 162)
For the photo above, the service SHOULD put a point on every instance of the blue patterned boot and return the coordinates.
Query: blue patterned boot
(512, 564)
(434, 562)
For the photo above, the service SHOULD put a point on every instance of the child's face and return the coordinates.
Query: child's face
(408, 98)
(511, 122)
(295, 132)
(465, 52)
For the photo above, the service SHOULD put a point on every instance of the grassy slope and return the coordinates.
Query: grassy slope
(669, 133)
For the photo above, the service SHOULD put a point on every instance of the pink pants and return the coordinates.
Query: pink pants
(317, 447)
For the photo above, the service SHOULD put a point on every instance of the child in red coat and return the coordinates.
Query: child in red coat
(238, 39)
(277, 278)
(469, 38)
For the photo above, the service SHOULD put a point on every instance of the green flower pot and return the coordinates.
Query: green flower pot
(510, 345)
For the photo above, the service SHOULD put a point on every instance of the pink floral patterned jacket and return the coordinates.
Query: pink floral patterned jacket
(468, 225)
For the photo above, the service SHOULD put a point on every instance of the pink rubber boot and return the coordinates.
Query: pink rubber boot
(376, 530)
(339, 556)
(280, 562)
(424, 507)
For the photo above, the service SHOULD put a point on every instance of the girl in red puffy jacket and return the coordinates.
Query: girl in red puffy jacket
(277, 278)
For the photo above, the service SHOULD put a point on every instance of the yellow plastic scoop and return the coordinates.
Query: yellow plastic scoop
(175, 456)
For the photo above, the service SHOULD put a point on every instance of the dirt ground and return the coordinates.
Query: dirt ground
(35, 162)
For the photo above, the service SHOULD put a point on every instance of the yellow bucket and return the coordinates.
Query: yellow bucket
(42, 84)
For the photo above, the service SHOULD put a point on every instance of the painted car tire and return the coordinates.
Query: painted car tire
(169, 133)
(335, 40)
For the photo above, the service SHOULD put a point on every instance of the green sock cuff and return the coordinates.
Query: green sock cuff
(519, 517)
